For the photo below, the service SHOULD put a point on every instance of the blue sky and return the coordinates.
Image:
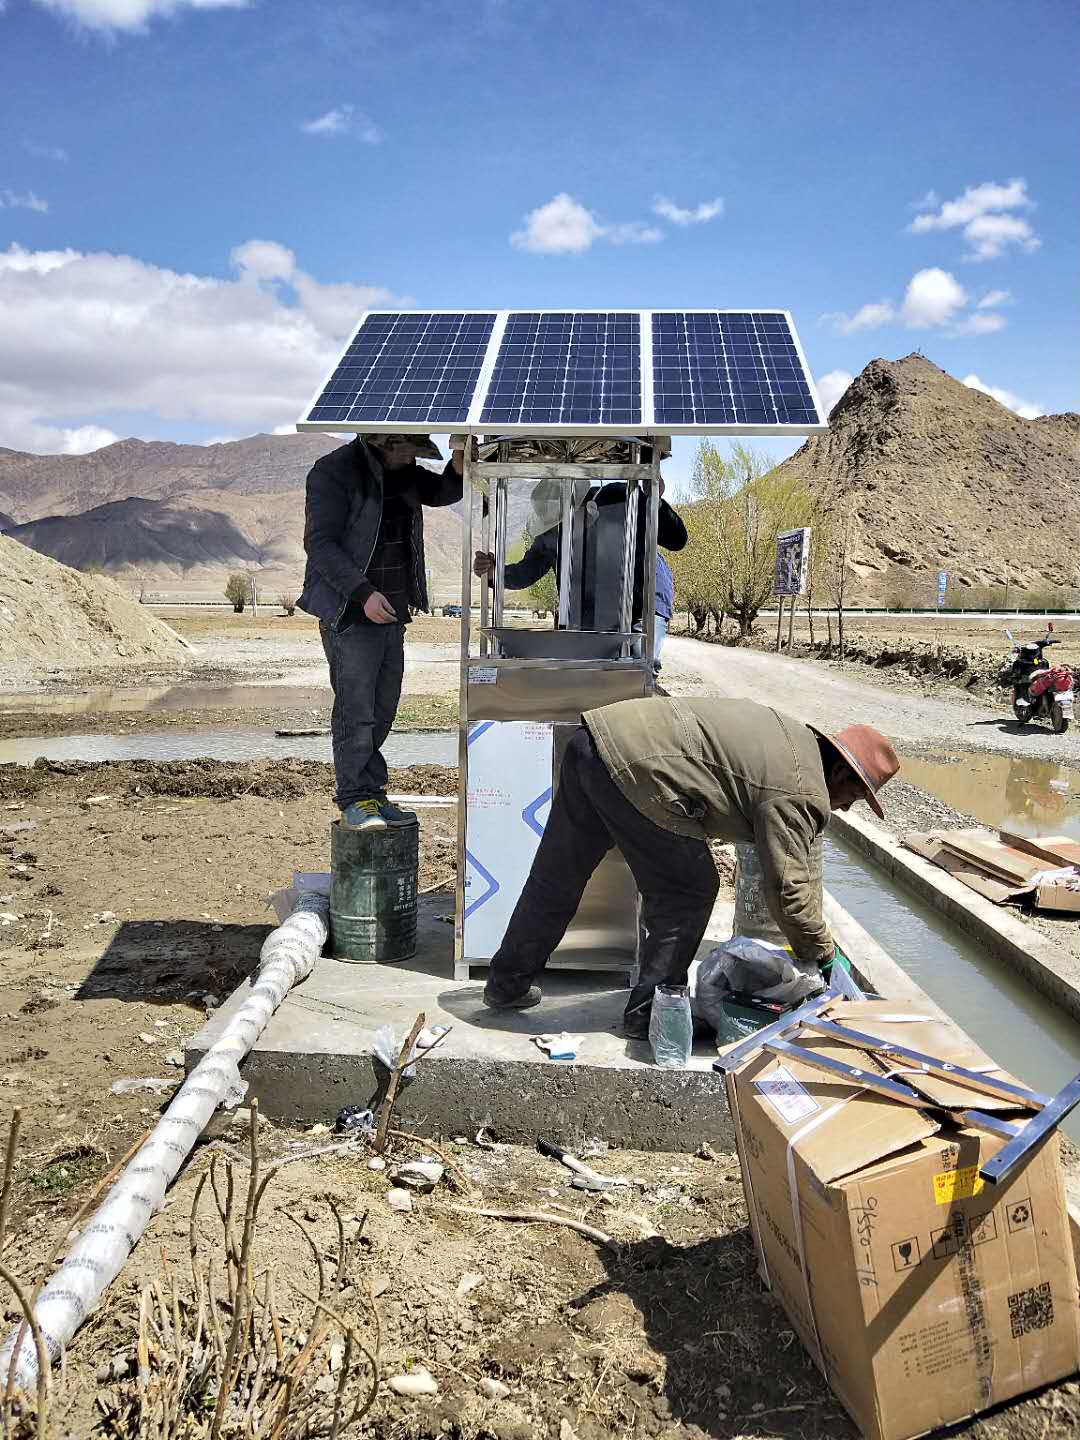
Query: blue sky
(198, 198)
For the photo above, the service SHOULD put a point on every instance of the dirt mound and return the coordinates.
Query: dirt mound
(50, 615)
(206, 779)
(942, 477)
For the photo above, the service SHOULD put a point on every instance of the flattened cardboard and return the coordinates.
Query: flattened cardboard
(1056, 850)
(923, 1296)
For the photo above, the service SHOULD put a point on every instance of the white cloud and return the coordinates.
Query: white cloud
(993, 298)
(930, 201)
(867, 317)
(130, 14)
(561, 227)
(84, 438)
(932, 298)
(26, 201)
(46, 152)
(982, 213)
(668, 210)
(981, 322)
(344, 120)
(634, 232)
(831, 386)
(1024, 408)
(90, 335)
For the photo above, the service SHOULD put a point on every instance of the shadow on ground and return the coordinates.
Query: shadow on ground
(163, 962)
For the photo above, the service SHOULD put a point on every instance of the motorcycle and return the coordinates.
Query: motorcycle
(1039, 690)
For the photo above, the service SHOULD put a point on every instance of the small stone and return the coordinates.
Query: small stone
(175, 1057)
(417, 1382)
(106, 916)
(467, 1284)
(419, 1175)
(493, 1389)
(147, 1038)
(319, 1130)
(326, 1385)
(567, 1431)
(376, 1163)
(399, 1200)
(337, 1356)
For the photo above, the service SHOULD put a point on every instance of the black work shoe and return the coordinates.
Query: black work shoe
(524, 1000)
(636, 1027)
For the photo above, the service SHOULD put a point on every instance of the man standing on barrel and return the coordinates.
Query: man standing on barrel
(364, 537)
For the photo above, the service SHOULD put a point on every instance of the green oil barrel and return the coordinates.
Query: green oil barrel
(373, 892)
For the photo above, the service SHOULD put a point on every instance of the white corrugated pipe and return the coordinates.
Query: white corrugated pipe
(109, 1236)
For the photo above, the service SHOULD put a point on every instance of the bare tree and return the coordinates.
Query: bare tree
(837, 566)
(746, 502)
(287, 601)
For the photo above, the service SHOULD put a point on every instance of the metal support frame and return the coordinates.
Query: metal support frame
(806, 1022)
(490, 477)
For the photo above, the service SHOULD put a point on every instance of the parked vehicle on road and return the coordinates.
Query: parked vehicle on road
(1040, 691)
(452, 611)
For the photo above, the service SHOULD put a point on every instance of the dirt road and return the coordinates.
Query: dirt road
(831, 698)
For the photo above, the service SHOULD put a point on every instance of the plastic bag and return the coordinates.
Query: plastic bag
(743, 966)
(671, 1027)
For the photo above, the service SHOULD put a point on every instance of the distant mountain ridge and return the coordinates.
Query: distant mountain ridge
(939, 476)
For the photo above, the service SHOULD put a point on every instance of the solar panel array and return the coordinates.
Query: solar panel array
(407, 368)
(566, 368)
(571, 372)
(728, 368)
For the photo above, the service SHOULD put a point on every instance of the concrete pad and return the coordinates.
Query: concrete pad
(315, 1056)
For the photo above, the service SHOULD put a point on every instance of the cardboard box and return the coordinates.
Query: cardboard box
(922, 1295)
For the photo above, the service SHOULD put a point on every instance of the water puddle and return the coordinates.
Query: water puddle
(1028, 796)
(437, 747)
(1013, 1022)
(150, 699)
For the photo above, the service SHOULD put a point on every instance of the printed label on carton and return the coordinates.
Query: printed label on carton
(950, 1185)
(788, 1098)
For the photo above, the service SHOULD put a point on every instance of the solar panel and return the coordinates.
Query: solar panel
(567, 368)
(410, 367)
(571, 372)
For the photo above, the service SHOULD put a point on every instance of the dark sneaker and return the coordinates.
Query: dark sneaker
(523, 1000)
(636, 1027)
(363, 815)
(394, 815)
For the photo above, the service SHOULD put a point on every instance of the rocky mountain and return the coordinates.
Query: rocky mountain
(939, 476)
(52, 615)
(169, 516)
(6, 522)
(32, 486)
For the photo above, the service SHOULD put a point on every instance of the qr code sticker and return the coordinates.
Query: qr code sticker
(1031, 1310)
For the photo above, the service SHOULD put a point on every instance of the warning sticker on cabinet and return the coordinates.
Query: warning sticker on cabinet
(483, 674)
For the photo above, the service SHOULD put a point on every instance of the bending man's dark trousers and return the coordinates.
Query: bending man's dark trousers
(675, 875)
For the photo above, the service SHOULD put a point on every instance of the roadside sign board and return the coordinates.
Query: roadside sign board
(942, 586)
(792, 562)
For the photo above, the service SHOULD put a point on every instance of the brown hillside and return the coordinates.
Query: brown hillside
(50, 615)
(164, 515)
(941, 476)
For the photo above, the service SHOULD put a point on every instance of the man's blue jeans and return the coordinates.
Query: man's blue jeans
(367, 663)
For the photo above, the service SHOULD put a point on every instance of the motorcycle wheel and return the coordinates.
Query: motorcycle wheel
(1022, 712)
(1058, 719)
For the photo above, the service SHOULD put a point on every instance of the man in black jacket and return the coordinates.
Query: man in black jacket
(364, 537)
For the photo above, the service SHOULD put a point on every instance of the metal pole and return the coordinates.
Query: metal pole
(566, 537)
(463, 699)
(648, 614)
(791, 622)
(779, 620)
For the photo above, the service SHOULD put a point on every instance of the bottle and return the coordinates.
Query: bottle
(671, 1027)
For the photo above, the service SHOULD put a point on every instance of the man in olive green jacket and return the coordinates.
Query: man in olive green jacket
(659, 779)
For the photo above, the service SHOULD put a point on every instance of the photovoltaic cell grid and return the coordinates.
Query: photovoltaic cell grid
(728, 369)
(411, 367)
(567, 369)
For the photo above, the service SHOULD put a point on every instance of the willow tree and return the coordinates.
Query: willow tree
(746, 501)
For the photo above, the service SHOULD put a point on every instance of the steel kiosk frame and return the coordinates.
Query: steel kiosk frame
(552, 690)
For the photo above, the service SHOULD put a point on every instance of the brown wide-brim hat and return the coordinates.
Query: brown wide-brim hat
(869, 755)
(426, 449)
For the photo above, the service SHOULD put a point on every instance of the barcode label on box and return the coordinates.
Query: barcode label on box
(788, 1098)
(1031, 1310)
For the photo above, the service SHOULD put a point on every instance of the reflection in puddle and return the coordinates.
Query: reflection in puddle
(437, 747)
(1015, 1024)
(1029, 796)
